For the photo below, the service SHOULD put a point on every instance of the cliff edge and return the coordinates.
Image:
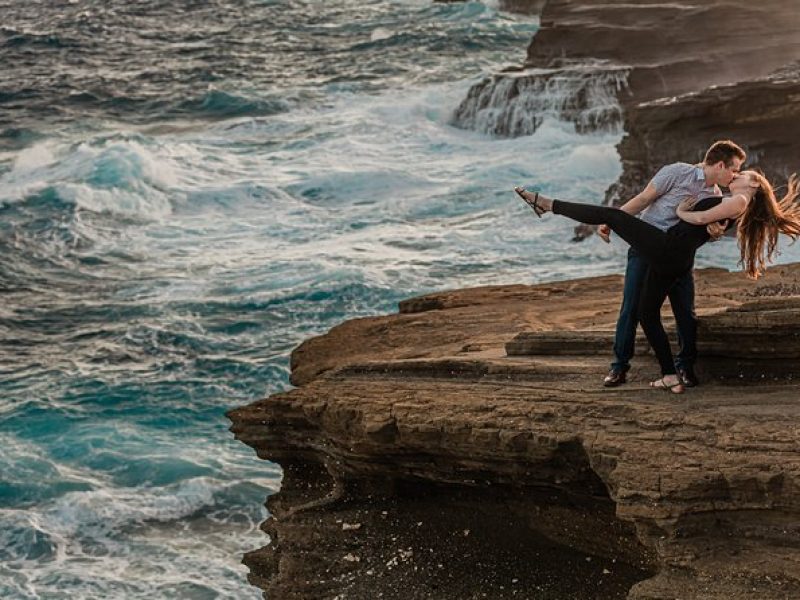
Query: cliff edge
(464, 448)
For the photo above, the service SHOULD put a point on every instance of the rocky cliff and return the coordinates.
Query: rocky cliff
(675, 76)
(764, 114)
(464, 448)
(671, 48)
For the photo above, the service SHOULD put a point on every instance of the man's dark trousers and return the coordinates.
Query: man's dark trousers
(681, 298)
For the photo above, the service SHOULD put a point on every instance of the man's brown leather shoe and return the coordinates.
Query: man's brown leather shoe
(614, 378)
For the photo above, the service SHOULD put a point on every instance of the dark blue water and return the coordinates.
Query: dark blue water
(187, 191)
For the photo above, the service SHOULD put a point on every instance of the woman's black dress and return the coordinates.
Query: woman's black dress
(670, 254)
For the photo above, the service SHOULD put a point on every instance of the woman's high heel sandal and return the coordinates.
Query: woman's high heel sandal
(534, 204)
(661, 384)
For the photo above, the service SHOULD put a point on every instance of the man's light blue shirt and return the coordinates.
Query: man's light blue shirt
(674, 183)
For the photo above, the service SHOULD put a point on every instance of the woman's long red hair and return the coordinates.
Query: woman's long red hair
(763, 219)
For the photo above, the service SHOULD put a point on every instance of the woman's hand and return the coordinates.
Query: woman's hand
(717, 229)
(687, 204)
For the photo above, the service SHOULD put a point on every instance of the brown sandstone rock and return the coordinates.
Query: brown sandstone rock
(472, 472)
(672, 48)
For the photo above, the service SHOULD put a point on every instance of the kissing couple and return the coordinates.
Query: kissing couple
(678, 211)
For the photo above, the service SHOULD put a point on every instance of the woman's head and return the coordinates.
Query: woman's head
(764, 218)
(747, 182)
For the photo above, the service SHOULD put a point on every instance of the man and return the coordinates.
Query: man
(657, 204)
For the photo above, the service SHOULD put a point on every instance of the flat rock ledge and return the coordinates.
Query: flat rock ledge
(464, 448)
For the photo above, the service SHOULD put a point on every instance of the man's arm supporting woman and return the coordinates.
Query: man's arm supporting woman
(633, 207)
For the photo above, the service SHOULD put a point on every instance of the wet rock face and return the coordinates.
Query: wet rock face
(414, 540)
(449, 451)
(528, 7)
(515, 104)
(672, 48)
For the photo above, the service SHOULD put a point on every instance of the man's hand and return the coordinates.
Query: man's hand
(717, 229)
(604, 231)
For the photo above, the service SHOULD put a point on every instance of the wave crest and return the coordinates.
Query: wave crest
(222, 105)
(119, 175)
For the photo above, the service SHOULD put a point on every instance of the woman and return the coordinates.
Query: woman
(671, 253)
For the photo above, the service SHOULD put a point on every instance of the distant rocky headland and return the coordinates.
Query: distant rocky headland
(675, 76)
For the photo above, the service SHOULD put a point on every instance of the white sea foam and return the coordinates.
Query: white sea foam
(124, 175)
(395, 166)
(36, 156)
(380, 33)
(131, 540)
(513, 104)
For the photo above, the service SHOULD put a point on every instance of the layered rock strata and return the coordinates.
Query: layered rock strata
(464, 448)
(672, 48)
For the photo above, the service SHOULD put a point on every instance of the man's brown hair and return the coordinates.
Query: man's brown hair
(725, 151)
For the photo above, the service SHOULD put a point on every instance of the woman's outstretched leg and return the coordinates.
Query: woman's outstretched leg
(646, 238)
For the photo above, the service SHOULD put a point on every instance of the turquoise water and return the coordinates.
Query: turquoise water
(182, 202)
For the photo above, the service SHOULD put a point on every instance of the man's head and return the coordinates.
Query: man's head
(722, 162)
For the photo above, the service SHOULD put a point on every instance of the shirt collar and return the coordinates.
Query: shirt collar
(699, 174)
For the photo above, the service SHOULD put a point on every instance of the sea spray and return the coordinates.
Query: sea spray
(514, 103)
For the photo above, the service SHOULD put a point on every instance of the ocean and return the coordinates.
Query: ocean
(190, 189)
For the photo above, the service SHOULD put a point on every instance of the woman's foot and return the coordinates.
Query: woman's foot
(669, 383)
(538, 202)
